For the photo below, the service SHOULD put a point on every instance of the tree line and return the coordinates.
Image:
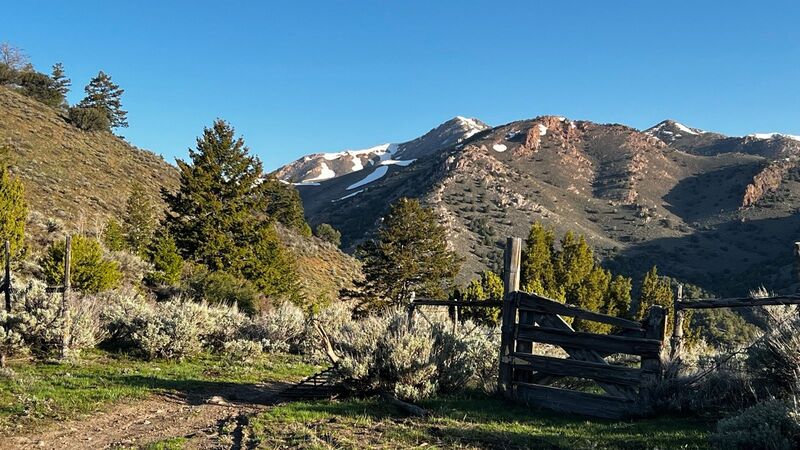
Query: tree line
(100, 109)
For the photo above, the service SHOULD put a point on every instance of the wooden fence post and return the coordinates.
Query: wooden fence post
(7, 282)
(511, 274)
(65, 317)
(655, 327)
(411, 316)
(677, 326)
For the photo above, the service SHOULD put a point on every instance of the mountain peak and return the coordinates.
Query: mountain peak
(670, 130)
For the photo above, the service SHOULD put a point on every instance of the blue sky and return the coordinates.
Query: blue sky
(297, 77)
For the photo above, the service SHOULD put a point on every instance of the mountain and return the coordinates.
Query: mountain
(709, 209)
(324, 166)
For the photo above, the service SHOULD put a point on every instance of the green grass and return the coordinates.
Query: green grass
(43, 392)
(463, 422)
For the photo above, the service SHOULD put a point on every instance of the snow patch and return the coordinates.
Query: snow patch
(774, 136)
(377, 174)
(685, 129)
(305, 183)
(348, 196)
(357, 164)
(499, 148)
(542, 130)
(325, 173)
(397, 162)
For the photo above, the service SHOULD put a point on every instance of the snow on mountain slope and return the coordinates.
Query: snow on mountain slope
(326, 166)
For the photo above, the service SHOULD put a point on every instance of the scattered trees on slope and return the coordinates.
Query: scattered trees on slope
(408, 258)
(104, 95)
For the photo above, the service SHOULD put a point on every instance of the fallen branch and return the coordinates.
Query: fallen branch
(410, 408)
(327, 344)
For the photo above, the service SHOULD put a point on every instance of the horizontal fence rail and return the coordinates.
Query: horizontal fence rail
(544, 305)
(708, 303)
(606, 343)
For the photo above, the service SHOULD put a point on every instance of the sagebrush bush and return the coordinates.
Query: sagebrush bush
(174, 332)
(774, 360)
(382, 353)
(278, 329)
(41, 312)
(241, 351)
(769, 425)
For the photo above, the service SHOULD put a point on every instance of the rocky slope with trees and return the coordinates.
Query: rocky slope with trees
(713, 210)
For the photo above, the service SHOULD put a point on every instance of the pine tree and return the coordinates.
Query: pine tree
(573, 264)
(139, 221)
(219, 218)
(103, 94)
(655, 290)
(13, 210)
(329, 234)
(409, 257)
(167, 261)
(114, 236)
(61, 83)
(488, 287)
(538, 274)
(284, 205)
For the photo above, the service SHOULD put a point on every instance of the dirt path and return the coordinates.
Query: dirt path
(200, 417)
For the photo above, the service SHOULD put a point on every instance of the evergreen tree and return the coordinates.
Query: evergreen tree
(329, 234)
(41, 87)
(409, 257)
(488, 287)
(103, 94)
(618, 301)
(139, 221)
(167, 261)
(538, 274)
(61, 83)
(114, 236)
(591, 293)
(90, 271)
(13, 209)
(655, 290)
(284, 205)
(219, 218)
(573, 264)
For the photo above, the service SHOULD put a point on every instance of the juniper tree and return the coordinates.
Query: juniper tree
(655, 290)
(139, 221)
(13, 209)
(90, 271)
(114, 236)
(103, 94)
(284, 204)
(329, 234)
(408, 257)
(618, 298)
(219, 217)
(573, 264)
(538, 274)
(488, 287)
(591, 293)
(166, 259)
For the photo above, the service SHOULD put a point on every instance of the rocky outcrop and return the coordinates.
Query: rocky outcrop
(767, 180)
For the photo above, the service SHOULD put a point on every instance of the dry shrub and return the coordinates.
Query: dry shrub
(382, 353)
(279, 328)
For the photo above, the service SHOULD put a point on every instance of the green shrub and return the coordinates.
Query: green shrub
(222, 288)
(90, 271)
(167, 261)
(13, 210)
(89, 119)
(328, 234)
(770, 425)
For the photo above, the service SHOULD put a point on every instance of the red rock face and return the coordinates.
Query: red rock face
(767, 180)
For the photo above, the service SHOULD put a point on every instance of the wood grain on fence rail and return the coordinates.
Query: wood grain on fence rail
(597, 342)
(569, 401)
(539, 304)
(627, 376)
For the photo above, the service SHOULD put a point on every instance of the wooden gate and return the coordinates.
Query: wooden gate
(524, 376)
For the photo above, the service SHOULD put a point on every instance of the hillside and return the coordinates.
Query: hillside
(713, 210)
(80, 179)
(76, 177)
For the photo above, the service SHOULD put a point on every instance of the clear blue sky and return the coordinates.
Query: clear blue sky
(296, 77)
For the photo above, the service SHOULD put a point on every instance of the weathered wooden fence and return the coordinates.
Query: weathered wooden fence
(530, 318)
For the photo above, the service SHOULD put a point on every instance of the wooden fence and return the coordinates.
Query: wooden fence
(65, 290)
(530, 318)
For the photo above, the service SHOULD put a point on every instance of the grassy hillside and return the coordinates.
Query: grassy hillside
(70, 175)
